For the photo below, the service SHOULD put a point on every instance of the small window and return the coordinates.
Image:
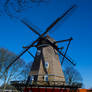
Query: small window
(46, 65)
(38, 52)
(46, 78)
(32, 78)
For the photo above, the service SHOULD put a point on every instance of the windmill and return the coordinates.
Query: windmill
(46, 66)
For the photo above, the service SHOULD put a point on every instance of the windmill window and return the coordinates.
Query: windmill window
(46, 78)
(46, 65)
(38, 52)
(32, 78)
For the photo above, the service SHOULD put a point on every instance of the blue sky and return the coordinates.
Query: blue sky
(14, 34)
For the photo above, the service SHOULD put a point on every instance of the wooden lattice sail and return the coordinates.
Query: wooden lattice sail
(46, 67)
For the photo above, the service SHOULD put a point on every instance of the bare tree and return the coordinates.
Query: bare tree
(13, 7)
(72, 76)
(15, 72)
(26, 71)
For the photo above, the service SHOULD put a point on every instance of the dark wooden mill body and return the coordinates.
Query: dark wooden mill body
(47, 64)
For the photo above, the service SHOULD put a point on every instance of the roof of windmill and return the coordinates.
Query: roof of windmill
(49, 38)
